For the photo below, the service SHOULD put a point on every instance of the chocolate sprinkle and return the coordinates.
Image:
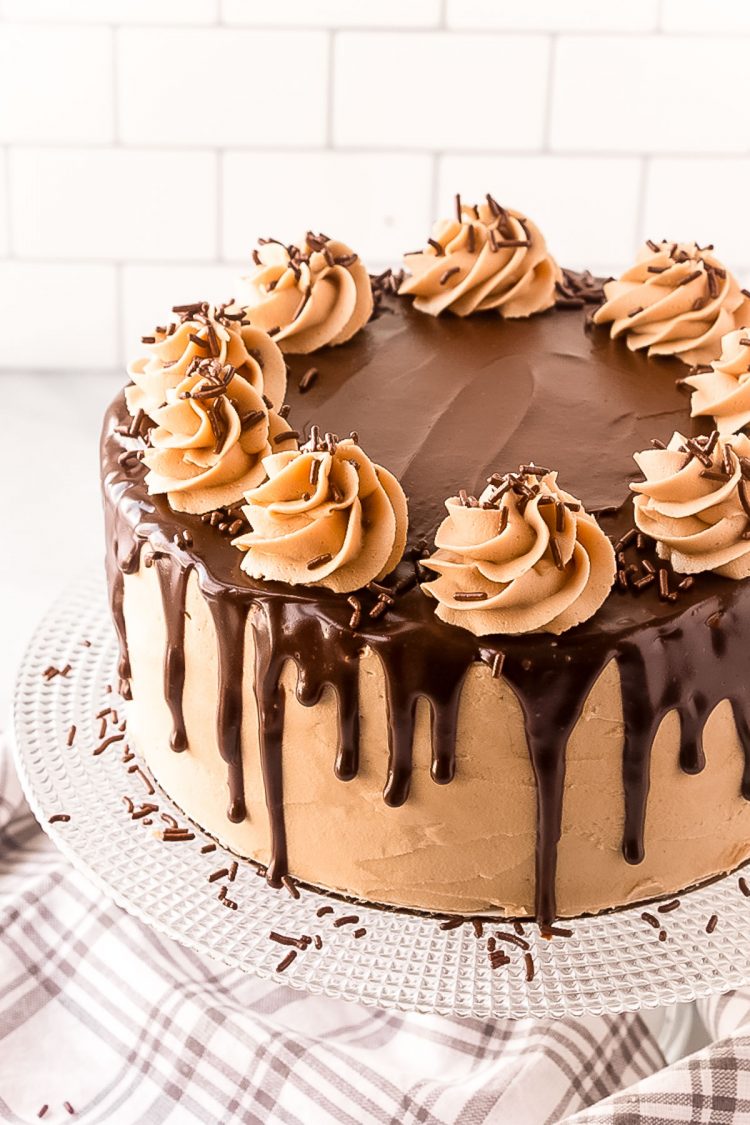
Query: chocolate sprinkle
(286, 962)
(307, 380)
(320, 560)
(444, 277)
(290, 885)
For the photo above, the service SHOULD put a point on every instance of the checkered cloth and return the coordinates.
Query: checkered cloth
(123, 1025)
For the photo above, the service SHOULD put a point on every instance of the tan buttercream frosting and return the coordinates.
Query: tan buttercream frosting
(308, 296)
(210, 385)
(488, 257)
(205, 332)
(695, 502)
(678, 299)
(723, 388)
(326, 516)
(207, 447)
(524, 557)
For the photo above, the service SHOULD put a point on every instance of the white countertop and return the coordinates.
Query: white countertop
(52, 524)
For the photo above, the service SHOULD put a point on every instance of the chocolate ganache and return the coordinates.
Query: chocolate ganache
(445, 403)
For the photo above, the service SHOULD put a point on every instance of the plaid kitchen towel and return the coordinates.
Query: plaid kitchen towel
(104, 1020)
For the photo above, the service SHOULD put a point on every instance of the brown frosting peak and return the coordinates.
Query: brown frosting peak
(678, 299)
(308, 296)
(487, 257)
(525, 557)
(209, 440)
(203, 331)
(722, 389)
(327, 516)
(695, 502)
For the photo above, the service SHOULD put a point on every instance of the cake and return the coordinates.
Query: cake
(469, 656)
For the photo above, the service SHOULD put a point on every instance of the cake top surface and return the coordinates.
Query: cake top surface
(443, 402)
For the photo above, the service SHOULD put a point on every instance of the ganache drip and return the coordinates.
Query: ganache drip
(173, 582)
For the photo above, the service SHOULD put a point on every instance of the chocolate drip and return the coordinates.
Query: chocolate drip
(641, 719)
(116, 596)
(409, 676)
(270, 659)
(676, 667)
(685, 656)
(173, 580)
(552, 700)
(230, 616)
(122, 557)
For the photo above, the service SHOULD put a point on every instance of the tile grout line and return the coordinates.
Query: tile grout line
(332, 42)
(219, 204)
(205, 148)
(659, 29)
(115, 86)
(549, 100)
(120, 314)
(434, 201)
(8, 209)
(640, 207)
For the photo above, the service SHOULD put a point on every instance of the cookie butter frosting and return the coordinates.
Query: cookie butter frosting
(695, 502)
(678, 299)
(210, 438)
(204, 331)
(722, 388)
(327, 516)
(487, 257)
(524, 557)
(308, 296)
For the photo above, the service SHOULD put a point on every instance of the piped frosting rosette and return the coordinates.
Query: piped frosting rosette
(678, 299)
(695, 502)
(210, 439)
(307, 296)
(211, 396)
(326, 516)
(722, 388)
(204, 331)
(524, 557)
(487, 257)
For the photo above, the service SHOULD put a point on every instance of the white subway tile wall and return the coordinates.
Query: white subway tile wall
(146, 144)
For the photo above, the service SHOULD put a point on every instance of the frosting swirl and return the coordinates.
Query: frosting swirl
(525, 557)
(204, 331)
(678, 299)
(209, 440)
(486, 258)
(307, 296)
(723, 388)
(695, 502)
(326, 516)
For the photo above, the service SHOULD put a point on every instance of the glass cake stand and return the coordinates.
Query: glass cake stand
(91, 804)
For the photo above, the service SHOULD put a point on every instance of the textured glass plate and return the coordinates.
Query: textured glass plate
(611, 963)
